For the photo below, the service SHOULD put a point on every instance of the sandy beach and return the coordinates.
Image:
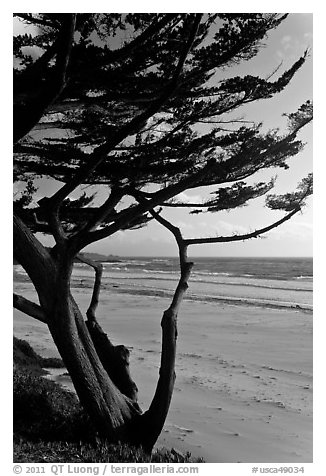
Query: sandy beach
(243, 390)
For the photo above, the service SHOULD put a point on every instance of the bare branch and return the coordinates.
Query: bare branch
(28, 307)
(176, 233)
(155, 417)
(36, 21)
(174, 230)
(247, 236)
(274, 71)
(103, 211)
(115, 359)
(184, 205)
(98, 267)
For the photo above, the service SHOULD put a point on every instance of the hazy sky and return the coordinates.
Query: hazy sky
(283, 46)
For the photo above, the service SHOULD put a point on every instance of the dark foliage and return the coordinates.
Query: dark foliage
(25, 356)
(149, 112)
(42, 410)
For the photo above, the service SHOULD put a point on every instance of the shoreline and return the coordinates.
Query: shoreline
(164, 288)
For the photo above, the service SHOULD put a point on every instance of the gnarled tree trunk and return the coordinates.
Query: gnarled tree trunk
(98, 369)
(109, 409)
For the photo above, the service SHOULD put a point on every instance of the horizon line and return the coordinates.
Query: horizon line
(207, 256)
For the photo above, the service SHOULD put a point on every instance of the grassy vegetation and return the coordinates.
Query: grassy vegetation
(50, 425)
(26, 357)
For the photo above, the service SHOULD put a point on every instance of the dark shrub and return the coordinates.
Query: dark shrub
(25, 356)
(42, 409)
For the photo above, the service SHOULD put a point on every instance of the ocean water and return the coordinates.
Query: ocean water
(265, 282)
(270, 268)
(270, 282)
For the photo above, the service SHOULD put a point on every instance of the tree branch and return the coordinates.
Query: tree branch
(29, 18)
(98, 268)
(30, 308)
(125, 216)
(56, 227)
(114, 358)
(184, 205)
(153, 420)
(151, 31)
(254, 234)
(103, 211)
(35, 259)
(173, 229)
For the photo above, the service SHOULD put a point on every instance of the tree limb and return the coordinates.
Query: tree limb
(30, 308)
(153, 420)
(37, 21)
(254, 234)
(98, 268)
(56, 227)
(125, 216)
(103, 211)
(184, 205)
(114, 358)
(35, 259)
(154, 27)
